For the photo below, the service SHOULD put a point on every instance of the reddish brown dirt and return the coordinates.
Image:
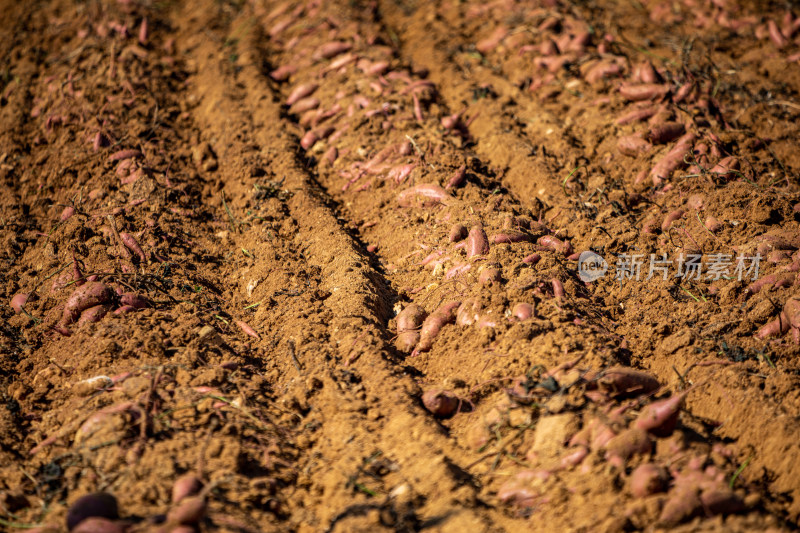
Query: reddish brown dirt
(279, 243)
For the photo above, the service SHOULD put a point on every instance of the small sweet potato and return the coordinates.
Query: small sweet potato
(87, 295)
(445, 314)
(647, 479)
(477, 242)
(441, 404)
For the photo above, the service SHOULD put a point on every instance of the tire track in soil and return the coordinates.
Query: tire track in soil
(743, 415)
(355, 312)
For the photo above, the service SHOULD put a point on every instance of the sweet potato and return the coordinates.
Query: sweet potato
(18, 302)
(647, 479)
(558, 289)
(441, 404)
(247, 329)
(630, 442)
(99, 525)
(791, 310)
(329, 50)
(190, 510)
(643, 91)
(303, 105)
(97, 504)
(531, 259)
(661, 416)
(407, 341)
(132, 244)
(523, 311)
(301, 91)
(665, 132)
(458, 178)
(468, 312)
(88, 295)
(458, 233)
(410, 318)
(510, 237)
(457, 270)
(477, 242)
(671, 217)
(489, 276)
(636, 115)
(681, 505)
(186, 485)
(548, 242)
(775, 328)
(445, 314)
(423, 195)
(632, 145)
(626, 382)
(66, 214)
(93, 314)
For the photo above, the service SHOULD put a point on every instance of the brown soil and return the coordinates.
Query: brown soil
(259, 347)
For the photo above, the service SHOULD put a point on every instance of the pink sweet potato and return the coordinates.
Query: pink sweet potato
(626, 382)
(441, 404)
(407, 341)
(661, 416)
(671, 217)
(791, 310)
(247, 329)
(468, 312)
(647, 479)
(132, 244)
(522, 311)
(477, 242)
(632, 145)
(548, 242)
(629, 442)
(681, 505)
(186, 485)
(93, 314)
(303, 105)
(18, 302)
(88, 295)
(189, 511)
(458, 233)
(423, 195)
(665, 132)
(510, 237)
(301, 91)
(136, 301)
(489, 276)
(643, 91)
(410, 318)
(329, 50)
(458, 178)
(445, 314)
(775, 328)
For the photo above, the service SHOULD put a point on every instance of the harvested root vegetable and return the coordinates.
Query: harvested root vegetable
(630, 442)
(247, 329)
(66, 214)
(558, 289)
(407, 341)
(190, 510)
(300, 92)
(329, 50)
(445, 314)
(633, 145)
(665, 132)
(532, 259)
(548, 242)
(441, 404)
(132, 244)
(671, 217)
(97, 504)
(136, 301)
(468, 312)
(643, 91)
(458, 233)
(410, 318)
(99, 525)
(93, 314)
(508, 237)
(88, 295)
(727, 168)
(18, 301)
(458, 178)
(477, 242)
(775, 328)
(522, 311)
(661, 417)
(681, 505)
(791, 310)
(489, 276)
(186, 485)
(423, 195)
(647, 479)
(712, 224)
(625, 382)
